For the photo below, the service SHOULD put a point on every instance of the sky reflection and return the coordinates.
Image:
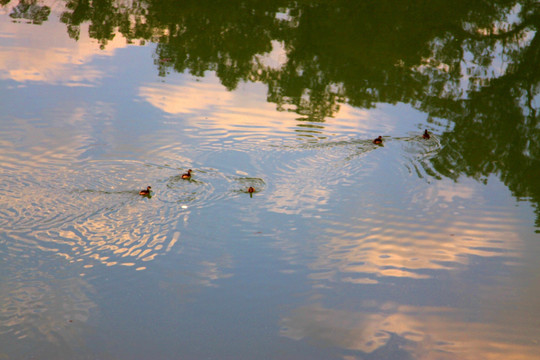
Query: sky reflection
(385, 242)
(45, 308)
(419, 332)
(55, 60)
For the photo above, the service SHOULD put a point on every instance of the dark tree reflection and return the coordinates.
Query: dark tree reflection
(473, 63)
(222, 36)
(30, 11)
(496, 128)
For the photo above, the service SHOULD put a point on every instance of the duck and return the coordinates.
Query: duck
(378, 140)
(187, 175)
(425, 135)
(251, 190)
(145, 192)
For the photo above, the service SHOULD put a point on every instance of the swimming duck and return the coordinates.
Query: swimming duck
(187, 175)
(145, 192)
(251, 190)
(378, 140)
(425, 135)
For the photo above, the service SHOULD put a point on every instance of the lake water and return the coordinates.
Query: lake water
(413, 249)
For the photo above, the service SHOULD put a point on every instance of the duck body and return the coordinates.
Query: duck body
(426, 135)
(251, 190)
(187, 175)
(145, 192)
(378, 141)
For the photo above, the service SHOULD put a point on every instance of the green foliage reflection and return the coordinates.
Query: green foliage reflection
(29, 11)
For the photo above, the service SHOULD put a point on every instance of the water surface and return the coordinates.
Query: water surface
(416, 249)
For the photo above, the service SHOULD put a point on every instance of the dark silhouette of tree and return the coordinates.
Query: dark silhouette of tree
(30, 11)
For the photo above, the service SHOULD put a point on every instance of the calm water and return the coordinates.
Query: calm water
(416, 249)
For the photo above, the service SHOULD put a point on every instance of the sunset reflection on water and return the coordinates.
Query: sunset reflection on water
(414, 249)
(418, 332)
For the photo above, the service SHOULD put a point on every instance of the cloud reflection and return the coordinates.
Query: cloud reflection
(194, 96)
(402, 246)
(421, 332)
(50, 310)
(443, 234)
(209, 106)
(28, 53)
(429, 233)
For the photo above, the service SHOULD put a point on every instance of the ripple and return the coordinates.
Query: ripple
(391, 244)
(92, 211)
(47, 309)
(305, 176)
(218, 137)
(417, 152)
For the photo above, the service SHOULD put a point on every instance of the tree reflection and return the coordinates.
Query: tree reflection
(221, 36)
(495, 130)
(473, 63)
(29, 11)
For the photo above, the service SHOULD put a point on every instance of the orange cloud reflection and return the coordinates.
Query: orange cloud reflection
(422, 332)
(440, 234)
(46, 53)
(402, 246)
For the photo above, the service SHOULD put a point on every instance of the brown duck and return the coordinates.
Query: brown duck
(187, 175)
(145, 192)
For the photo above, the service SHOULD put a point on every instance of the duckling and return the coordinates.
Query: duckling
(426, 135)
(251, 190)
(187, 175)
(145, 192)
(378, 140)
